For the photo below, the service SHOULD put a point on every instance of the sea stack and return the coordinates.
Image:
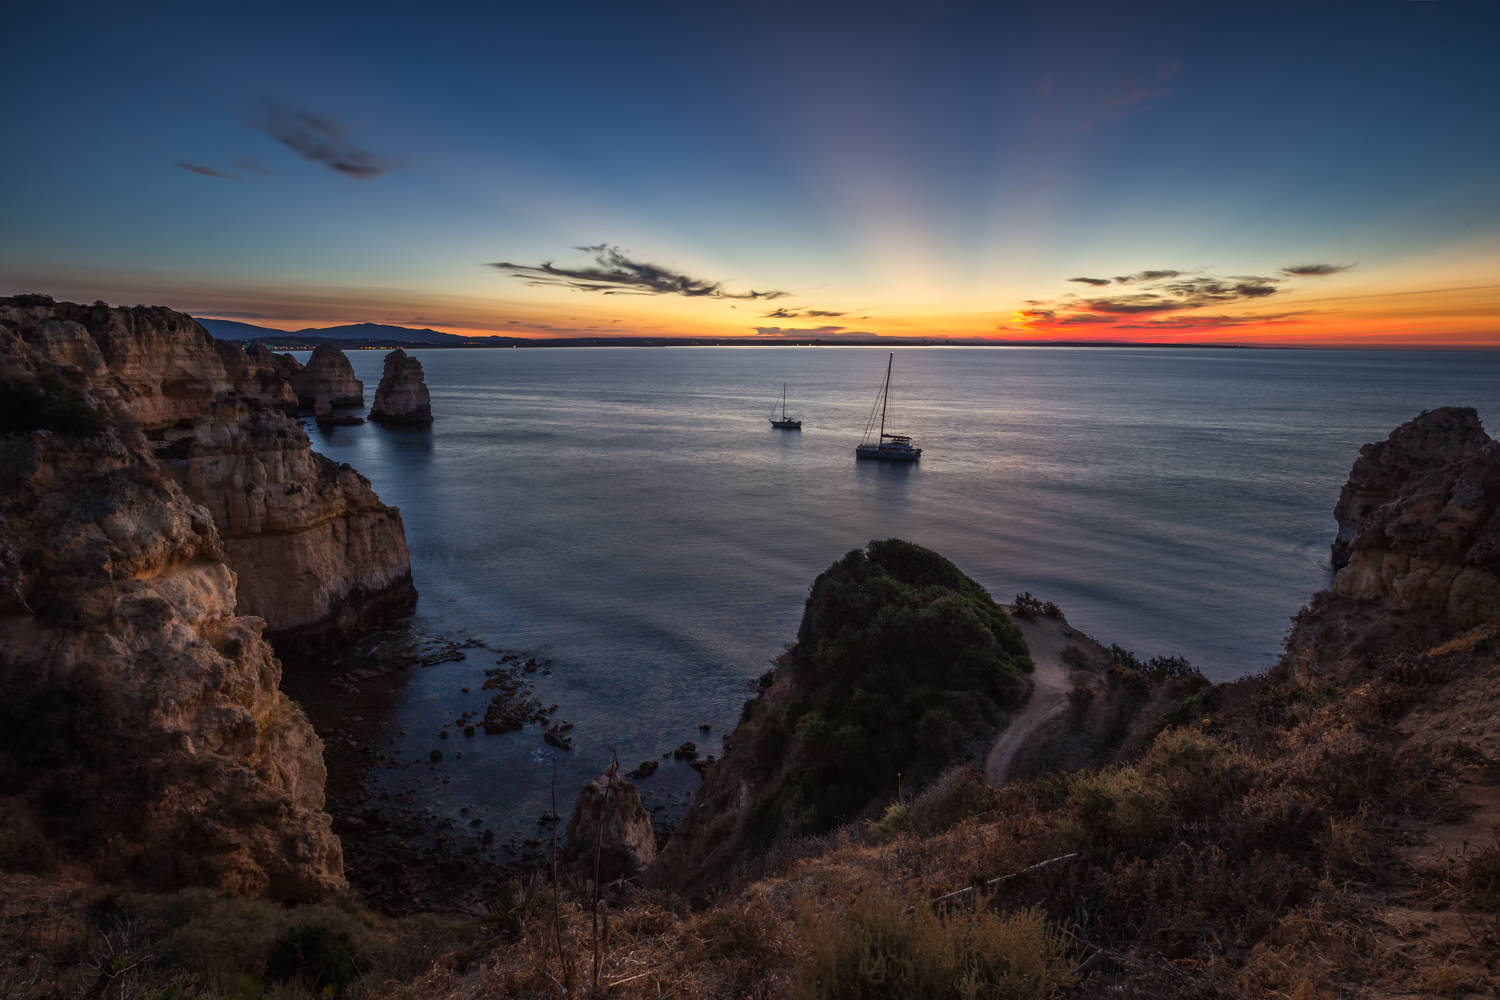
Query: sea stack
(328, 382)
(611, 826)
(402, 396)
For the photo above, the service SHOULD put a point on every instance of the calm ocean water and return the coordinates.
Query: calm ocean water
(630, 515)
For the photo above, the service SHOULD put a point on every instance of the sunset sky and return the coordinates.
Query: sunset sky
(1215, 173)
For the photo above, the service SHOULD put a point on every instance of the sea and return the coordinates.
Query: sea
(628, 520)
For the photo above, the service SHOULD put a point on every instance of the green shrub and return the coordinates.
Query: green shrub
(888, 945)
(49, 405)
(314, 956)
(1112, 810)
(901, 661)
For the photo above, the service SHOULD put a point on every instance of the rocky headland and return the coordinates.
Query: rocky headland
(402, 396)
(157, 509)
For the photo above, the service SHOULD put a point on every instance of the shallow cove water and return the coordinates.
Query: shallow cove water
(628, 517)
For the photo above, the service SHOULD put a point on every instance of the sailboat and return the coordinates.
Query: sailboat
(887, 447)
(785, 423)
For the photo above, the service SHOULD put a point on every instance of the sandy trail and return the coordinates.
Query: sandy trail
(1046, 637)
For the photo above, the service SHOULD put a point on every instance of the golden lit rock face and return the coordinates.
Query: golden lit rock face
(304, 534)
(310, 541)
(144, 725)
(1417, 553)
(1419, 519)
(157, 508)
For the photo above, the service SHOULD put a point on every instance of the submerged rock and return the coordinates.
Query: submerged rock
(402, 396)
(610, 818)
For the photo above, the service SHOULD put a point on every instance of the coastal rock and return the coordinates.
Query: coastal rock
(1418, 520)
(611, 818)
(402, 395)
(151, 365)
(141, 721)
(313, 547)
(258, 374)
(328, 382)
(1418, 547)
(310, 541)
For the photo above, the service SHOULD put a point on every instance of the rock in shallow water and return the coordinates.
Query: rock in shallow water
(402, 397)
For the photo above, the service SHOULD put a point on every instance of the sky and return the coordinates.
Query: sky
(1207, 173)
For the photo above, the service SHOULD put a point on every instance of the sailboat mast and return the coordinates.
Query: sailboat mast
(783, 401)
(885, 394)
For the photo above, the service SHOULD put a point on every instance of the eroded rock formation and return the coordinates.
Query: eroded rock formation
(142, 727)
(312, 545)
(610, 819)
(1418, 546)
(328, 382)
(402, 395)
(311, 542)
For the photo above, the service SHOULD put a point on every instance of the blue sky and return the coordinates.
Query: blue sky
(929, 167)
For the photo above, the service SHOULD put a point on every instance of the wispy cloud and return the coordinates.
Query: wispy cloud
(199, 168)
(615, 273)
(1167, 299)
(1130, 279)
(318, 138)
(251, 166)
(1314, 270)
(794, 313)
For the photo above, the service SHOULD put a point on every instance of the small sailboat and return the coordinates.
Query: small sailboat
(785, 423)
(887, 447)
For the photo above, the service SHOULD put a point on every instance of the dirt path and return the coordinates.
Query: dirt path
(1052, 680)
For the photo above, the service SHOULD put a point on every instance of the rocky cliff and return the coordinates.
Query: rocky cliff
(313, 547)
(1417, 553)
(312, 544)
(402, 395)
(142, 727)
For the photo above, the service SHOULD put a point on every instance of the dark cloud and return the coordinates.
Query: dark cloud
(252, 166)
(199, 168)
(1198, 322)
(793, 313)
(318, 138)
(1131, 304)
(614, 273)
(1129, 279)
(1091, 281)
(1314, 270)
(1085, 319)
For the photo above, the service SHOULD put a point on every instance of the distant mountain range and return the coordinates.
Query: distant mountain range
(228, 329)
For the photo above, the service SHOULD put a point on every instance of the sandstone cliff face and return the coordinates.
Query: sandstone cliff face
(328, 381)
(312, 545)
(1418, 546)
(402, 397)
(141, 721)
(310, 541)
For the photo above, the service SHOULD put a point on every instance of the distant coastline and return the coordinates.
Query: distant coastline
(471, 343)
